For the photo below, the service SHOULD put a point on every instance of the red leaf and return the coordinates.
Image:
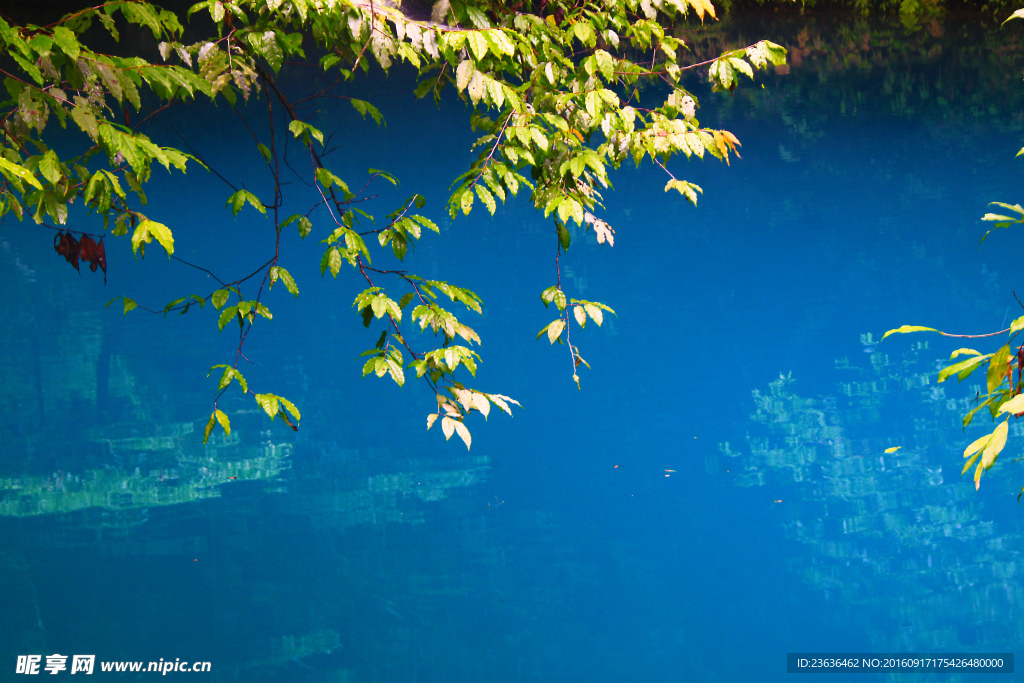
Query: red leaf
(68, 247)
(101, 260)
(87, 251)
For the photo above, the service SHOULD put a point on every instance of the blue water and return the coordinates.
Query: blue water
(716, 496)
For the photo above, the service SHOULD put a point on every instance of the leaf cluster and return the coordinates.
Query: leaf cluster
(554, 91)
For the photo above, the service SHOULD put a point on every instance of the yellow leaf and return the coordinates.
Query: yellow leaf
(430, 420)
(977, 445)
(581, 315)
(903, 329)
(448, 427)
(995, 445)
(893, 449)
(555, 330)
(463, 433)
(481, 403)
(720, 144)
(1014, 405)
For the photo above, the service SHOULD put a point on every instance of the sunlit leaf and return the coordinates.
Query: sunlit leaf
(11, 169)
(581, 315)
(463, 432)
(1014, 405)
(909, 328)
(1019, 14)
(997, 368)
(555, 330)
(963, 369)
(225, 423)
(995, 445)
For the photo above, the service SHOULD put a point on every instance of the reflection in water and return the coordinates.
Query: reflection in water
(894, 534)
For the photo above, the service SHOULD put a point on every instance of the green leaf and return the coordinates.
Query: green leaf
(209, 427)
(278, 273)
(379, 306)
(970, 415)
(909, 328)
(406, 299)
(128, 305)
(270, 404)
(219, 298)
(563, 235)
(264, 151)
(171, 305)
(303, 129)
(226, 315)
(426, 223)
(237, 200)
(67, 42)
(399, 244)
(964, 368)
(266, 45)
(225, 378)
(486, 197)
(10, 169)
(466, 202)
(334, 261)
(49, 166)
(290, 407)
(584, 32)
(364, 108)
(161, 232)
(229, 374)
(264, 311)
(224, 421)
(559, 299)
